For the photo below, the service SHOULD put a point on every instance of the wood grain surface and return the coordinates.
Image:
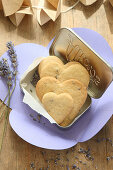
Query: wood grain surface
(19, 155)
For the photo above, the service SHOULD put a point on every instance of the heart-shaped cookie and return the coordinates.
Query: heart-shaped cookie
(71, 70)
(73, 87)
(74, 71)
(53, 71)
(47, 60)
(58, 106)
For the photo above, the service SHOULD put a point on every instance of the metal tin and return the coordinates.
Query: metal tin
(68, 46)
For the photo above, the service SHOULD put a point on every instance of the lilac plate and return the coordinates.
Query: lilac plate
(45, 134)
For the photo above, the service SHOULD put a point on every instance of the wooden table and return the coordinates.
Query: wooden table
(18, 154)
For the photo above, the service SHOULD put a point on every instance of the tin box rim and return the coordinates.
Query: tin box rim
(51, 52)
(83, 42)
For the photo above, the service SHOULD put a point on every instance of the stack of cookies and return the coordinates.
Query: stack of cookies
(62, 88)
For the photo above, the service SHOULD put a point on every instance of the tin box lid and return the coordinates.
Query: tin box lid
(68, 46)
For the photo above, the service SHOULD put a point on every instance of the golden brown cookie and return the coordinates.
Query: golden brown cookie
(74, 71)
(69, 64)
(58, 106)
(45, 85)
(48, 60)
(79, 94)
(52, 69)
(71, 70)
(73, 87)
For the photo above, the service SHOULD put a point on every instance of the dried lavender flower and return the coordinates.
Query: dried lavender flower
(67, 167)
(14, 60)
(80, 161)
(74, 166)
(108, 158)
(14, 65)
(13, 56)
(96, 167)
(9, 83)
(34, 119)
(32, 165)
(78, 168)
(76, 157)
(39, 117)
(7, 74)
(35, 78)
(84, 163)
(55, 161)
(31, 115)
(5, 71)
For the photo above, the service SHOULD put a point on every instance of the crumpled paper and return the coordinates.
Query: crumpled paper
(54, 2)
(16, 9)
(1, 5)
(46, 11)
(30, 98)
(51, 9)
(111, 1)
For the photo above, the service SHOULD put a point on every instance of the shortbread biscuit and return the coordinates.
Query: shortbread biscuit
(45, 85)
(53, 2)
(58, 106)
(48, 60)
(75, 71)
(52, 69)
(71, 70)
(73, 87)
(69, 64)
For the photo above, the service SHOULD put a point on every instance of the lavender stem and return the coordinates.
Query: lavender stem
(4, 100)
(5, 123)
(8, 100)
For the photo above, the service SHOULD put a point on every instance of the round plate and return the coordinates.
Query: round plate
(42, 133)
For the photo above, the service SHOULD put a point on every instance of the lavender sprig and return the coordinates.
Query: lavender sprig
(10, 77)
(6, 73)
(13, 56)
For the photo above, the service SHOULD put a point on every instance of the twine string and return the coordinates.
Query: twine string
(67, 10)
